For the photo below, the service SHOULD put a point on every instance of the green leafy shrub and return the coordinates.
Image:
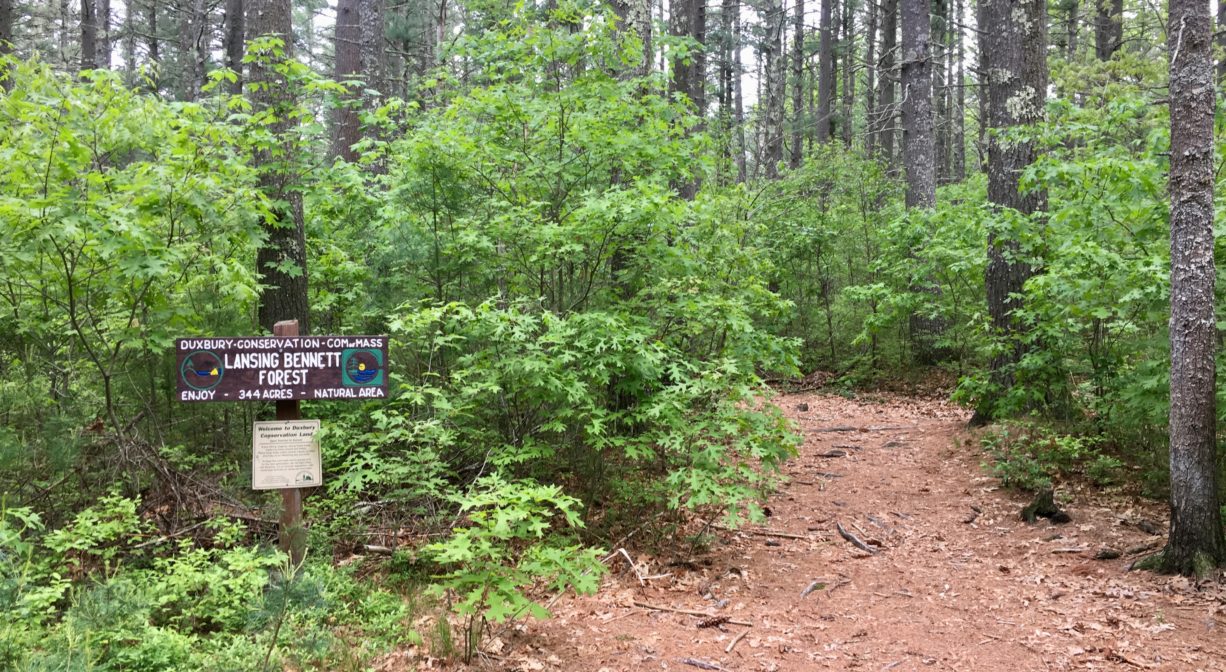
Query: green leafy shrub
(505, 548)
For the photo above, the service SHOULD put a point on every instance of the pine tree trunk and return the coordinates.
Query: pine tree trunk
(870, 83)
(798, 89)
(89, 35)
(918, 140)
(825, 72)
(1072, 18)
(738, 112)
(1221, 40)
(6, 29)
(1108, 28)
(959, 141)
(102, 56)
(885, 71)
(1017, 84)
(235, 34)
(346, 130)
(773, 64)
(1195, 544)
(849, 77)
(940, 115)
(373, 70)
(281, 260)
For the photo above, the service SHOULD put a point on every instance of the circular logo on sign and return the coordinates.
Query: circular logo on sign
(202, 370)
(361, 366)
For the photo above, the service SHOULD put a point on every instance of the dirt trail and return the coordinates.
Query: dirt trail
(939, 593)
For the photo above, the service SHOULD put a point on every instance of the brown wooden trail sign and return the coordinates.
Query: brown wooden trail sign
(282, 368)
(285, 368)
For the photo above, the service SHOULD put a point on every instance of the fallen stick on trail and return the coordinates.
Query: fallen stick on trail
(687, 612)
(732, 644)
(700, 664)
(824, 430)
(816, 585)
(855, 541)
(764, 533)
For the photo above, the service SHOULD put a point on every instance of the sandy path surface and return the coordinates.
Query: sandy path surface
(940, 591)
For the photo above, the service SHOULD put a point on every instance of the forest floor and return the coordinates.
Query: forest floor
(955, 580)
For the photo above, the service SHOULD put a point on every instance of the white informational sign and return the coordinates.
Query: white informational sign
(285, 454)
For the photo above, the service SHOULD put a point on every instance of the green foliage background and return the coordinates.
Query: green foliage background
(578, 352)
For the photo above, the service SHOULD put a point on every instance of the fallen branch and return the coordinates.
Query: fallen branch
(733, 643)
(833, 453)
(700, 664)
(764, 533)
(816, 585)
(855, 541)
(1142, 548)
(687, 612)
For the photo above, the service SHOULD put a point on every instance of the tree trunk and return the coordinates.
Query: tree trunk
(152, 41)
(849, 77)
(825, 72)
(1108, 28)
(885, 71)
(940, 115)
(1017, 83)
(346, 130)
(689, 19)
(798, 88)
(6, 31)
(870, 84)
(918, 141)
(1195, 544)
(235, 35)
(772, 56)
(373, 71)
(959, 141)
(1221, 40)
(102, 54)
(89, 35)
(738, 111)
(281, 260)
(1072, 18)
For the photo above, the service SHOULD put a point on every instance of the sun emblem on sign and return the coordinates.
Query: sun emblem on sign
(361, 367)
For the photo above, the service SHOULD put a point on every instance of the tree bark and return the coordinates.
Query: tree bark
(689, 19)
(798, 88)
(346, 130)
(6, 29)
(89, 35)
(102, 54)
(281, 260)
(849, 78)
(885, 71)
(772, 56)
(235, 36)
(939, 18)
(1221, 40)
(1195, 543)
(870, 83)
(825, 72)
(1108, 28)
(738, 100)
(918, 141)
(1016, 71)
(373, 70)
(1072, 17)
(959, 141)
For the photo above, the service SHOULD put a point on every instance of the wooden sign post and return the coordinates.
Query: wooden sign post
(293, 534)
(284, 368)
